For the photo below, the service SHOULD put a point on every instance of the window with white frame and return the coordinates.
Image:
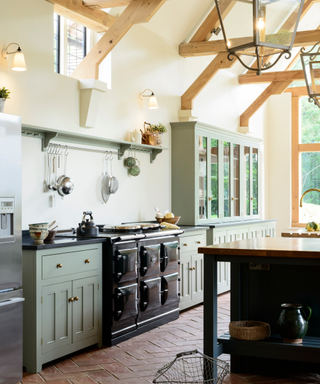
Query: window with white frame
(70, 44)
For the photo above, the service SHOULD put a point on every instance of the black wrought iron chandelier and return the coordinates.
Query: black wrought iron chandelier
(267, 30)
(311, 68)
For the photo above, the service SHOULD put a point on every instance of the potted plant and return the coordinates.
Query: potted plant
(4, 95)
(158, 130)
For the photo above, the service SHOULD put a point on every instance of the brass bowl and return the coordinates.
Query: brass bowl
(172, 220)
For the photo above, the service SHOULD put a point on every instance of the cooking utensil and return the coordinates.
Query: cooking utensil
(114, 183)
(105, 182)
(54, 228)
(51, 224)
(65, 183)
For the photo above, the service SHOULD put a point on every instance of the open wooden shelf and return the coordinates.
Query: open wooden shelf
(273, 348)
(47, 135)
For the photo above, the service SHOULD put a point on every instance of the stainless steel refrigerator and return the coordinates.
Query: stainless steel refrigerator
(11, 296)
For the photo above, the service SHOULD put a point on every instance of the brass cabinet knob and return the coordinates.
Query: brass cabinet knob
(198, 242)
(251, 198)
(87, 261)
(71, 299)
(190, 269)
(76, 298)
(185, 244)
(232, 198)
(59, 265)
(210, 198)
(194, 268)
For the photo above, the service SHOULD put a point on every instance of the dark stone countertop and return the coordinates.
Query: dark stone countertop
(58, 242)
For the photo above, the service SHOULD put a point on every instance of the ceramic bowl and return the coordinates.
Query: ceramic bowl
(39, 226)
(38, 235)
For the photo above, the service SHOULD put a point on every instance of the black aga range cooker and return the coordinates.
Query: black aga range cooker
(140, 279)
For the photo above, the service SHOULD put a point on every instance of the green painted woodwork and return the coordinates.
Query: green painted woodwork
(56, 315)
(209, 174)
(53, 325)
(191, 268)
(47, 135)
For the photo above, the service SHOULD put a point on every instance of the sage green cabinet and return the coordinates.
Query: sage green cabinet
(191, 268)
(215, 174)
(63, 302)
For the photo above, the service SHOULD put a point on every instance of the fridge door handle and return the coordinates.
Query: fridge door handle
(12, 301)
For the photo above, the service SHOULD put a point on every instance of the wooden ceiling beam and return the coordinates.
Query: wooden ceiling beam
(219, 62)
(275, 88)
(74, 10)
(107, 3)
(269, 77)
(207, 48)
(138, 11)
(297, 91)
(212, 21)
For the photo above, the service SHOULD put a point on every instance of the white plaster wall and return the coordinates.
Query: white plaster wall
(143, 59)
(278, 148)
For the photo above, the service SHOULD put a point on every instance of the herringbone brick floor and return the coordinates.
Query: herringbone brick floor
(136, 361)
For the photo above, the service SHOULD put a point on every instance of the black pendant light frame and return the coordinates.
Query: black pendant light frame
(284, 49)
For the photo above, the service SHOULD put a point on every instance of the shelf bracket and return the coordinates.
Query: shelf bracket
(155, 152)
(123, 148)
(47, 137)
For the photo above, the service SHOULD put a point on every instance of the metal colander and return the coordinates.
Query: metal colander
(193, 367)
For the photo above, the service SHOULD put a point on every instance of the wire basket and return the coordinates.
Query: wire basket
(193, 367)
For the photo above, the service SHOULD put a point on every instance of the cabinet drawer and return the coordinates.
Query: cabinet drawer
(191, 243)
(69, 263)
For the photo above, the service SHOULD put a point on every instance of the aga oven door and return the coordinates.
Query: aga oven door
(149, 259)
(170, 296)
(125, 309)
(170, 255)
(125, 264)
(150, 299)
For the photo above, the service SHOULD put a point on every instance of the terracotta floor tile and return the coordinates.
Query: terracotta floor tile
(132, 381)
(103, 377)
(115, 368)
(130, 375)
(154, 366)
(80, 369)
(60, 382)
(65, 364)
(64, 376)
(31, 378)
(83, 380)
(49, 370)
(127, 360)
(138, 353)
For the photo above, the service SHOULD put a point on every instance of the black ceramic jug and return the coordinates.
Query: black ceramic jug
(293, 322)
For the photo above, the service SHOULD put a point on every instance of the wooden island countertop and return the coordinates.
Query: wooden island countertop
(307, 248)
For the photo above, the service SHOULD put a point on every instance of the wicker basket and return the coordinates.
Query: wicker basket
(249, 330)
(173, 220)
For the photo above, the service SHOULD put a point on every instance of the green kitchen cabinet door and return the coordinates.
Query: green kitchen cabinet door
(56, 316)
(185, 282)
(85, 308)
(197, 277)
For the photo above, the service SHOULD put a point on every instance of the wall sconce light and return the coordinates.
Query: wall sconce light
(153, 104)
(18, 63)
(311, 69)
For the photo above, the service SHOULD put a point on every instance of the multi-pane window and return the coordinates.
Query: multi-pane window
(70, 45)
(305, 160)
(56, 42)
(76, 45)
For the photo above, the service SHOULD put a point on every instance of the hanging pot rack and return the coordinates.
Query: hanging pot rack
(120, 146)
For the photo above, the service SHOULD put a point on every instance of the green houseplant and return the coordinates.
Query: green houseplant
(158, 130)
(4, 95)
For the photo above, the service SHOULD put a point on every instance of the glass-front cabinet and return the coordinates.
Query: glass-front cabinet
(215, 174)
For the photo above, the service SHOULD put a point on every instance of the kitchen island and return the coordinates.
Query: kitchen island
(265, 273)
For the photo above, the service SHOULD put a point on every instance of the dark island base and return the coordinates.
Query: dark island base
(271, 367)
